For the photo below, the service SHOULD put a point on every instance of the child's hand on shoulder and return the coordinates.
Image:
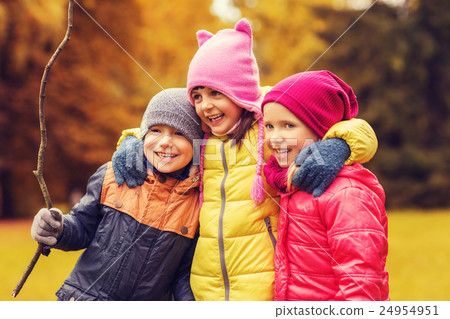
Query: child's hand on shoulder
(47, 226)
(129, 162)
(319, 163)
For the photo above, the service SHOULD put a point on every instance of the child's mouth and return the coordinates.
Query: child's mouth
(281, 152)
(215, 118)
(282, 155)
(165, 155)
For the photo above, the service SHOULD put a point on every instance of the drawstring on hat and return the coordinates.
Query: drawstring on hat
(235, 126)
(257, 192)
(202, 160)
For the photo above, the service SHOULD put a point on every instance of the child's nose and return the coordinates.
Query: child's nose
(207, 104)
(277, 135)
(165, 141)
(276, 141)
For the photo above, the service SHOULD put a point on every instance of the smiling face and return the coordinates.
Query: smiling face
(285, 134)
(167, 149)
(216, 110)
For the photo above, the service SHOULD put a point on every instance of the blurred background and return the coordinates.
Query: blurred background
(394, 53)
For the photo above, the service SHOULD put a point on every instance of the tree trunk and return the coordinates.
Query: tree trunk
(6, 200)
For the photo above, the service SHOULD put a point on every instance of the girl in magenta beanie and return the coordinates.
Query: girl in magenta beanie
(332, 247)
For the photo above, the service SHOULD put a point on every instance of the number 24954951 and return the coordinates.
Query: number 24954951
(409, 310)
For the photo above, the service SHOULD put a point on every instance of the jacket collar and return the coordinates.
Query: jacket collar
(192, 181)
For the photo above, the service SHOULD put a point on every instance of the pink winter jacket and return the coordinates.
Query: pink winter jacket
(334, 247)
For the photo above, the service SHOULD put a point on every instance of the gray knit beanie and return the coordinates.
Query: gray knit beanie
(171, 107)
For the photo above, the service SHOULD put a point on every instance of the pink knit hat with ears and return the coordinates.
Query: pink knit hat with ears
(318, 98)
(226, 63)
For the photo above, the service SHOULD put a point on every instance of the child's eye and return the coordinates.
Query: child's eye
(215, 93)
(289, 125)
(179, 133)
(269, 126)
(196, 97)
(155, 131)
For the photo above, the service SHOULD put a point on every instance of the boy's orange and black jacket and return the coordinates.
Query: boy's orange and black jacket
(139, 242)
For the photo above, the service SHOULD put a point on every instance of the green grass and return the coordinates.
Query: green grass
(418, 260)
(16, 250)
(419, 255)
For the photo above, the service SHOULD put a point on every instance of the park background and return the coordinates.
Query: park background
(394, 53)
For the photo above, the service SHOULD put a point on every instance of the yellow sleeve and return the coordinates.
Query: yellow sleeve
(129, 132)
(359, 136)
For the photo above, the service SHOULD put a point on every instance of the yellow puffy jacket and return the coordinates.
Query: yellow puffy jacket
(234, 255)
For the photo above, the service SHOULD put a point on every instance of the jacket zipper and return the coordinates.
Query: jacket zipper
(223, 266)
(269, 229)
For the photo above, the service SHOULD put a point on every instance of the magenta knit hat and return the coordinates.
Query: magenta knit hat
(318, 98)
(225, 62)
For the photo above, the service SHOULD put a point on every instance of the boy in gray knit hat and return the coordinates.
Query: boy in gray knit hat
(139, 241)
(170, 119)
(169, 107)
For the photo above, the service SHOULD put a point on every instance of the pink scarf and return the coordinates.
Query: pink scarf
(276, 176)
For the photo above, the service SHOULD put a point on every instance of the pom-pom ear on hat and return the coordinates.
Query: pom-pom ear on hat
(244, 26)
(203, 36)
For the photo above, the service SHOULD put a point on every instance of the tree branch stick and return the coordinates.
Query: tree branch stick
(41, 155)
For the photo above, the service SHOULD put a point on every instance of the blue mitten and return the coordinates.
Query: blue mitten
(319, 165)
(129, 163)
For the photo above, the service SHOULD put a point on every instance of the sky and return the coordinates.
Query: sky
(227, 12)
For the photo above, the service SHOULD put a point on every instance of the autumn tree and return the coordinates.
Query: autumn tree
(26, 41)
(99, 85)
(399, 66)
(397, 60)
(286, 35)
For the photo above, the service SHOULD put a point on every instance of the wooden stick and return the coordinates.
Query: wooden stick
(41, 155)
